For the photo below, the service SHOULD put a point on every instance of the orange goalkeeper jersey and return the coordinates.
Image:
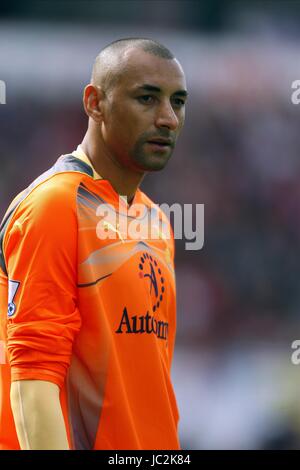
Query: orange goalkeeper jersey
(89, 306)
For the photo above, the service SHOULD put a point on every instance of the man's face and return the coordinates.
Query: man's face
(145, 112)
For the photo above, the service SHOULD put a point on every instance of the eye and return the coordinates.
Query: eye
(146, 99)
(178, 102)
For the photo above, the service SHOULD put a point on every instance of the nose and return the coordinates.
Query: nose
(166, 117)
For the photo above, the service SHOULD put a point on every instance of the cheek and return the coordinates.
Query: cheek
(181, 119)
(125, 124)
(180, 124)
(120, 133)
(123, 120)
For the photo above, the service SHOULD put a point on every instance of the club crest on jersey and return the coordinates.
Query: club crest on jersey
(13, 287)
(151, 272)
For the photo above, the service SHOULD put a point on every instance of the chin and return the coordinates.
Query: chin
(153, 162)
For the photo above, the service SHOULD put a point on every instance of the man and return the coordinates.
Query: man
(88, 320)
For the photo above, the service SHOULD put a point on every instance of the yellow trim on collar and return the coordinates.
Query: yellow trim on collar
(79, 153)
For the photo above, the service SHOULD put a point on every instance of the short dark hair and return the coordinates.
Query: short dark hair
(110, 75)
(148, 45)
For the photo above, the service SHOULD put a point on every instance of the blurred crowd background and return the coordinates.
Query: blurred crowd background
(238, 297)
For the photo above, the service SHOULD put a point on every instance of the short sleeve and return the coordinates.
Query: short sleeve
(40, 249)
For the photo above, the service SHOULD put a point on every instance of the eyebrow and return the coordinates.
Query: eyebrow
(156, 89)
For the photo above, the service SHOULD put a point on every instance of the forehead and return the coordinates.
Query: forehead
(140, 67)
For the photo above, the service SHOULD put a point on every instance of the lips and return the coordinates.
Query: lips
(160, 141)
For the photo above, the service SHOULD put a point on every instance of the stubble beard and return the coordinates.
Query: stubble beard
(146, 160)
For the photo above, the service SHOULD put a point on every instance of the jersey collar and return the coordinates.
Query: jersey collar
(79, 153)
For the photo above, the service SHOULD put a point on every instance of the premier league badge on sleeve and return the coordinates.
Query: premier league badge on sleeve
(13, 286)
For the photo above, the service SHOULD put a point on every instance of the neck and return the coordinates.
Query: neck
(124, 181)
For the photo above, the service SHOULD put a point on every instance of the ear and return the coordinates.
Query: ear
(93, 102)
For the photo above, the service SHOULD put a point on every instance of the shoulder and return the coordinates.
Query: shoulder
(59, 184)
(55, 188)
(52, 197)
(49, 201)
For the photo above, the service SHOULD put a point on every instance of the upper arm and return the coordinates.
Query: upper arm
(40, 250)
